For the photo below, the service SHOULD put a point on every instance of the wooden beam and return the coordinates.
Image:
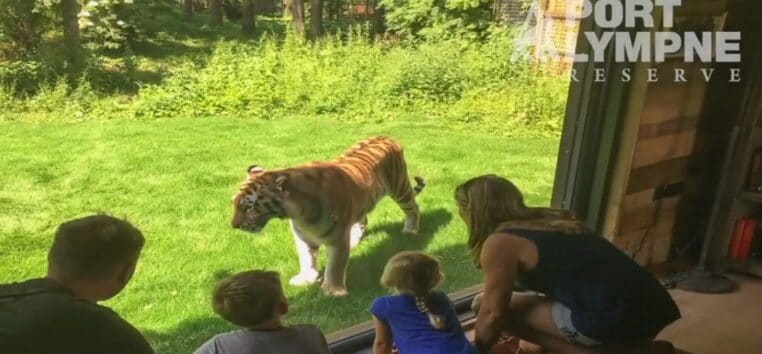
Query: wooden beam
(659, 174)
(651, 151)
(649, 215)
(623, 163)
(655, 130)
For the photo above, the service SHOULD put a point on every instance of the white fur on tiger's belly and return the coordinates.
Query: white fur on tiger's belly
(356, 234)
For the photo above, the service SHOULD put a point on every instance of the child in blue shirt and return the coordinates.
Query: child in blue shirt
(417, 318)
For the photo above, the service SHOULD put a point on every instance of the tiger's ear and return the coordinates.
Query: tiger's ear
(254, 170)
(280, 182)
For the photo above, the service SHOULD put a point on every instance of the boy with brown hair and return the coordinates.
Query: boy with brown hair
(254, 301)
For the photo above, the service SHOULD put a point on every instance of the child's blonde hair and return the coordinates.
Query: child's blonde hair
(417, 274)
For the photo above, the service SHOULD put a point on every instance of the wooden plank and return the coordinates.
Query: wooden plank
(663, 227)
(667, 127)
(669, 99)
(638, 199)
(659, 174)
(660, 249)
(651, 151)
(652, 214)
(696, 8)
(648, 245)
(622, 166)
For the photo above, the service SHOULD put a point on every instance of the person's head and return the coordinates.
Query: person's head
(250, 299)
(417, 274)
(487, 201)
(412, 272)
(95, 255)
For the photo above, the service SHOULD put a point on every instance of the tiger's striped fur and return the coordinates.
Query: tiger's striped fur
(327, 203)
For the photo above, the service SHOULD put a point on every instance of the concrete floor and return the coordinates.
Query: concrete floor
(719, 324)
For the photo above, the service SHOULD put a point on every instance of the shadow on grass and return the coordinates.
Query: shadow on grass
(308, 305)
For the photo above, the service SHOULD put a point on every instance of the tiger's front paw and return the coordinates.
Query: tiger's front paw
(334, 290)
(304, 278)
(411, 232)
(410, 227)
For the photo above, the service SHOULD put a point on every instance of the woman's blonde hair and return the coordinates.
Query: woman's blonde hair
(487, 201)
(417, 274)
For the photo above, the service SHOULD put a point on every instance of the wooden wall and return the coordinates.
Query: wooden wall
(667, 156)
(657, 170)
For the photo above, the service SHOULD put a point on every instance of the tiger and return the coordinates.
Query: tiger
(327, 203)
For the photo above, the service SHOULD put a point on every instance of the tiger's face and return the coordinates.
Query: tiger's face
(259, 200)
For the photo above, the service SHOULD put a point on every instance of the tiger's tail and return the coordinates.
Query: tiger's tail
(420, 183)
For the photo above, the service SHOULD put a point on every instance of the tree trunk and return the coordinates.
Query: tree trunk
(69, 11)
(379, 20)
(297, 11)
(316, 18)
(188, 8)
(248, 22)
(215, 9)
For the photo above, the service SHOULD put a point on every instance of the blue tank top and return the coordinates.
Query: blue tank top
(411, 331)
(611, 298)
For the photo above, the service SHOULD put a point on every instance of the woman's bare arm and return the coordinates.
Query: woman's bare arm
(383, 342)
(500, 264)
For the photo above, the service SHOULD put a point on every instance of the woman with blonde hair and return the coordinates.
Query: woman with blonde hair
(417, 318)
(590, 297)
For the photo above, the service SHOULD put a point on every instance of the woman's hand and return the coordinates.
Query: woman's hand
(506, 345)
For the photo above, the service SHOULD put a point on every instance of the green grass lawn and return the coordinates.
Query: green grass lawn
(174, 180)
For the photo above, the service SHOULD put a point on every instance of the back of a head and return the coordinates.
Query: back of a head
(489, 201)
(412, 272)
(94, 247)
(418, 274)
(248, 299)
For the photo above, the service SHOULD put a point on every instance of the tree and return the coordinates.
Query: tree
(215, 8)
(427, 19)
(188, 8)
(69, 11)
(297, 12)
(316, 18)
(22, 25)
(248, 22)
(379, 19)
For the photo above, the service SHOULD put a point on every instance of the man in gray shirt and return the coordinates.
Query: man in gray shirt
(254, 300)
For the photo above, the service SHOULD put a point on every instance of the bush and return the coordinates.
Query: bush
(106, 25)
(343, 77)
(438, 19)
(23, 77)
(22, 24)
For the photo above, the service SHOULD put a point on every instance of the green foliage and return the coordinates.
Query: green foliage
(348, 78)
(22, 25)
(23, 76)
(438, 19)
(106, 25)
